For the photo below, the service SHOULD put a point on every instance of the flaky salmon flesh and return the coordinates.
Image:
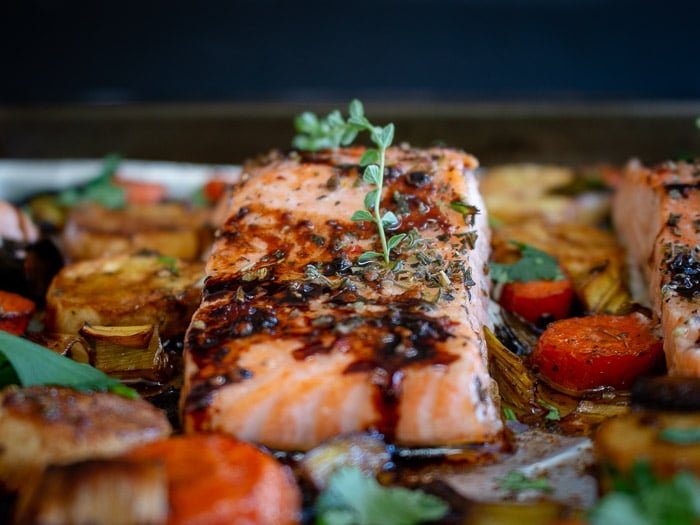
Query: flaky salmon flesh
(295, 342)
(656, 212)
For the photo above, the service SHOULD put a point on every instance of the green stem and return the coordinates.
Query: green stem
(377, 203)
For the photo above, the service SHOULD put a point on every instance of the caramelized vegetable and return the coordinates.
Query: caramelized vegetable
(215, 479)
(15, 312)
(669, 442)
(99, 491)
(534, 300)
(139, 192)
(127, 351)
(580, 354)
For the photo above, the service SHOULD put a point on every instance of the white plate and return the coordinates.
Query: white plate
(21, 178)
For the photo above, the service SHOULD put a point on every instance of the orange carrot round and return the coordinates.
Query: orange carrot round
(214, 479)
(534, 299)
(580, 354)
(15, 312)
(138, 192)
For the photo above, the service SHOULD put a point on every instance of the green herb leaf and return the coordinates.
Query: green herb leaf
(371, 156)
(353, 498)
(368, 256)
(390, 220)
(101, 189)
(372, 175)
(371, 200)
(362, 215)
(333, 131)
(35, 365)
(516, 481)
(680, 436)
(395, 240)
(509, 414)
(533, 265)
(553, 412)
(646, 500)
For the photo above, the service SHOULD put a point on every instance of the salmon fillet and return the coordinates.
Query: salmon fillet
(656, 212)
(294, 342)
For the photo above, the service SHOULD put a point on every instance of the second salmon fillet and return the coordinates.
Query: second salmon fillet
(294, 342)
(656, 211)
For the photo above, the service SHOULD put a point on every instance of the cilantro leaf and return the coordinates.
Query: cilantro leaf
(533, 265)
(35, 365)
(353, 498)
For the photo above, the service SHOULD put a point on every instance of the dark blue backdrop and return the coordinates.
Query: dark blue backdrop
(247, 50)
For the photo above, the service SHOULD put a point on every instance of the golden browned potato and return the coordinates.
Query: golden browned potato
(666, 440)
(125, 290)
(172, 229)
(42, 425)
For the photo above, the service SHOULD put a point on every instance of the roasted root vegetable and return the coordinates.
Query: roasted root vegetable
(581, 354)
(128, 290)
(215, 479)
(43, 425)
(140, 192)
(539, 299)
(99, 491)
(591, 257)
(15, 312)
(171, 228)
(669, 442)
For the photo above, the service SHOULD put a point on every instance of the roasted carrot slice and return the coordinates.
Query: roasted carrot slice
(15, 312)
(217, 480)
(580, 354)
(138, 192)
(534, 300)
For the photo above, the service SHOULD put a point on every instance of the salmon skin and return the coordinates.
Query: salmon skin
(656, 212)
(294, 342)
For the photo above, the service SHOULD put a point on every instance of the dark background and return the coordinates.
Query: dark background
(572, 81)
(385, 50)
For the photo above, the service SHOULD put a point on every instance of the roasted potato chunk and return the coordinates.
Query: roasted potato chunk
(125, 290)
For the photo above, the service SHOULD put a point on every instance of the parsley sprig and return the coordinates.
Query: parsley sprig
(334, 131)
(533, 265)
(352, 498)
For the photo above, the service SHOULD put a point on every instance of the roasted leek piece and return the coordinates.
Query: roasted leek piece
(127, 351)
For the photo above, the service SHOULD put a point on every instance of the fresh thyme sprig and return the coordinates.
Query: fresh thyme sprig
(334, 131)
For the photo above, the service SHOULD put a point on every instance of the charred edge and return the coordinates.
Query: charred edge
(398, 339)
(201, 396)
(684, 273)
(680, 190)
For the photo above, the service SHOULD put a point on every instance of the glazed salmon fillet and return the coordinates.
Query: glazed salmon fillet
(294, 342)
(656, 211)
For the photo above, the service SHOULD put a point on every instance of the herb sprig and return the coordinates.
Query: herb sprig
(533, 265)
(334, 131)
(101, 189)
(25, 363)
(354, 498)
